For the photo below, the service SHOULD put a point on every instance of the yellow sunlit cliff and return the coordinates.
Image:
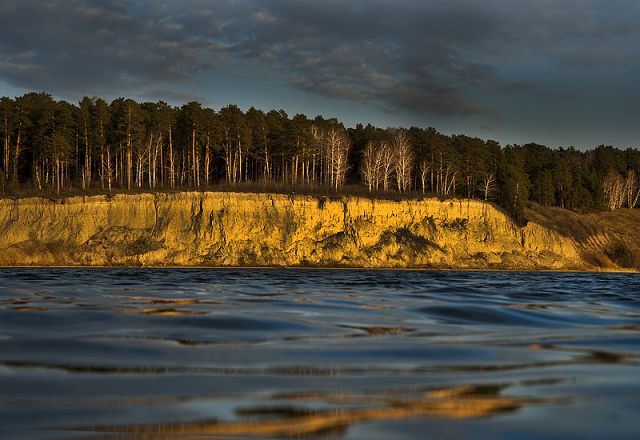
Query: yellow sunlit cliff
(246, 229)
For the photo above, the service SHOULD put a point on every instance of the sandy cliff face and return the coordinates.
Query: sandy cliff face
(240, 229)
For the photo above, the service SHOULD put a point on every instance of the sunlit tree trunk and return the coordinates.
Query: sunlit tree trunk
(387, 159)
(7, 154)
(370, 167)
(631, 189)
(207, 160)
(87, 158)
(403, 162)
(172, 168)
(488, 186)
(129, 152)
(267, 164)
(614, 190)
(425, 170)
(109, 169)
(16, 155)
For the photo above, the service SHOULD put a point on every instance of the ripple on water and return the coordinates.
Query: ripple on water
(184, 353)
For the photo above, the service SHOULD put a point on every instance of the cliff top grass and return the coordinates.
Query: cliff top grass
(319, 192)
(245, 187)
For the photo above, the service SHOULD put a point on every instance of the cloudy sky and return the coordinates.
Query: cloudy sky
(559, 72)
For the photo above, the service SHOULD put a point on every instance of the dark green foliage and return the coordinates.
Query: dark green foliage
(513, 181)
(55, 146)
(620, 255)
(3, 181)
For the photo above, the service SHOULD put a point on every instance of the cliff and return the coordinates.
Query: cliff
(244, 229)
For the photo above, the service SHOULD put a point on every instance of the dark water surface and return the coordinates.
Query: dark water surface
(133, 354)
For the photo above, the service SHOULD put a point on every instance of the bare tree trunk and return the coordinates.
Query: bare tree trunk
(370, 165)
(403, 161)
(207, 160)
(129, 149)
(87, 171)
(488, 186)
(246, 166)
(631, 188)
(237, 173)
(36, 172)
(16, 156)
(150, 161)
(386, 157)
(7, 152)
(267, 167)
(109, 169)
(194, 169)
(425, 169)
(161, 162)
(172, 173)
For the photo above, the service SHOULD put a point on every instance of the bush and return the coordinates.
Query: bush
(621, 255)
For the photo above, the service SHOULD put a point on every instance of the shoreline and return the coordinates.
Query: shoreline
(328, 268)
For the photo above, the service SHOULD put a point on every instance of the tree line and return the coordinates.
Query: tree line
(50, 145)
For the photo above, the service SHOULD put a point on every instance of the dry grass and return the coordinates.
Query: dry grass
(350, 190)
(607, 238)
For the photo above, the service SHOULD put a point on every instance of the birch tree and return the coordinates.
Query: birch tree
(488, 186)
(403, 163)
(338, 145)
(387, 160)
(7, 125)
(425, 171)
(614, 190)
(100, 121)
(371, 165)
(631, 189)
(86, 107)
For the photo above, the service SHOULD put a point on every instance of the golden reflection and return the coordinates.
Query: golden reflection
(375, 307)
(163, 301)
(180, 302)
(591, 356)
(30, 309)
(380, 331)
(169, 312)
(533, 306)
(461, 402)
(377, 331)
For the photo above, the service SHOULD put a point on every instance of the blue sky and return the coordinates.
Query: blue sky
(562, 72)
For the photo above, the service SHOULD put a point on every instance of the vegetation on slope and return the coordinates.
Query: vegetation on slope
(605, 239)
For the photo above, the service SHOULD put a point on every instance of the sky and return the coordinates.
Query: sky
(557, 72)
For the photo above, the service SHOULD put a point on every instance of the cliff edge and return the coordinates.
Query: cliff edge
(245, 229)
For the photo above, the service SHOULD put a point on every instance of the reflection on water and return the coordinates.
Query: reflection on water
(138, 354)
(292, 421)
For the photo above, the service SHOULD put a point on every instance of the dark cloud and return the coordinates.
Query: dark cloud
(447, 58)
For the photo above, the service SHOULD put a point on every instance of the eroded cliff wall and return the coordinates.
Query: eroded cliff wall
(243, 229)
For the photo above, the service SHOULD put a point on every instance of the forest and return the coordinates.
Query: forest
(51, 146)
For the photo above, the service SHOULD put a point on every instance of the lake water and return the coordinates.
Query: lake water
(346, 354)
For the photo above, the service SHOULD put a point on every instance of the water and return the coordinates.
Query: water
(133, 354)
